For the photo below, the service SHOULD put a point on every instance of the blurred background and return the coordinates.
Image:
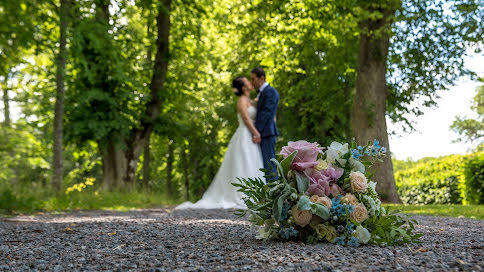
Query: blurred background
(128, 104)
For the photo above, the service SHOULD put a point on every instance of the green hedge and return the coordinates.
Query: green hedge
(454, 179)
(472, 186)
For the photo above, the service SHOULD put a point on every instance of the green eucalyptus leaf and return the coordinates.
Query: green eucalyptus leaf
(277, 207)
(320, 210)
(304, 203)
(302, 182)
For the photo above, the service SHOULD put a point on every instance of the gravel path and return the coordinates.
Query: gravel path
(215, 240)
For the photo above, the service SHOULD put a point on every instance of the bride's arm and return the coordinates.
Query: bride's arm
(242, 109)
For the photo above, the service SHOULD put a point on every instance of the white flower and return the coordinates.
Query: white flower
(374, 204)
(339, 148)
(362, 234)
(335, 151)
(372, 185)
(331, 156)
(356, 165)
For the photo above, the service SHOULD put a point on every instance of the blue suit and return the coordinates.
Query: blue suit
(265, 124)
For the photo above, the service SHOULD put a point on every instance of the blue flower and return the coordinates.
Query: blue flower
(336, 200)
(287, 233)
(340, 210)
(350, 227)
(355, 153)
(376, 144)
(350, 208)
(340, 240)
(383, 150)
(353, 242)
(360, 148)
(374, 151)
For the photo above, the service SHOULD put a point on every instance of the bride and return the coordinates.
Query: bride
(242, 159)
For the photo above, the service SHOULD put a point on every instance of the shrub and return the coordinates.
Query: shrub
(431, 181)
(472, 187)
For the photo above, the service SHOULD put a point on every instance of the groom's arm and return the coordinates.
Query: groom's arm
(267, 110)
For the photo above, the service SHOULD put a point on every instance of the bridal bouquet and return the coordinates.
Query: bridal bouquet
(323, 194)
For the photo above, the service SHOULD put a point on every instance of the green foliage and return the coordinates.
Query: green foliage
(453, 179)
(431, 181)
(473, 184)
(426, 51)
(37, 202)
(472, 129)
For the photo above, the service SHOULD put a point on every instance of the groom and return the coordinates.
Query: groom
(265, 122)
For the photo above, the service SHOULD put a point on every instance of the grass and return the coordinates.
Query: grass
(12, 203)
(32, 202)
(461, 211)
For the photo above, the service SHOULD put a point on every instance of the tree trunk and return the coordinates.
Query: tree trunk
(6, 104)
(146, 163)
(185, 171)
(146, 152)
(114, 164)
(153, 109)
(369, 104)
(59, 103)
(169, 168)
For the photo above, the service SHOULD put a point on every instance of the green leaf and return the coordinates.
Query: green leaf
(302, 182)
(320, 210)
(279, 169)
(304, 203)
(277, 208)
(286, 163)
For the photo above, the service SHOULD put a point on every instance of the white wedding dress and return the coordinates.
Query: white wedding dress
(243, 159)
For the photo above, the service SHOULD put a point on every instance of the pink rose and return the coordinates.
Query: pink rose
(318, 183)
(335, 190)
(333, 172)
(306, 156)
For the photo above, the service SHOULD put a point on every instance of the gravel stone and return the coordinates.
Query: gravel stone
(216, 240)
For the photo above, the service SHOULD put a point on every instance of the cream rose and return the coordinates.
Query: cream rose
(302, 218)
(360, 213)
(321, 165)
(349, 199)
(324, 200)
(358, 182)
(331, 234)
(328, 232)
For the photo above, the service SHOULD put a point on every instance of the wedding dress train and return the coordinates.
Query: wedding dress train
(243, 159)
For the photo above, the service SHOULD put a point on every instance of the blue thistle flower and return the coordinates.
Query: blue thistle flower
(353, 242)
(340, 240)
(287, 233)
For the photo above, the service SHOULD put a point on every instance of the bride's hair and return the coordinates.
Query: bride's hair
(238, 83)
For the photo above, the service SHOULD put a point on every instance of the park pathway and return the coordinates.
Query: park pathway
(216, 240)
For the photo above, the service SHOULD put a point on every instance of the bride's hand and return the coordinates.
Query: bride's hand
(256, 137)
